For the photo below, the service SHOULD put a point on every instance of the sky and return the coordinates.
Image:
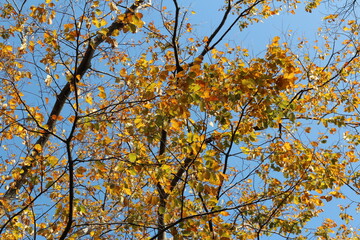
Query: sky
(256, 37)
(302, 25)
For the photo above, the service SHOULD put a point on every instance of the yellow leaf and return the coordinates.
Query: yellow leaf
(319, 191)
(176, 124)
(123, 72)
(127, 191)
(102, 93)
(132, 157)
(154, 200)
(225, 213)
(89, 99)
(80, 172)
(71, 119)
(52, 160)
(290, 76)
(103, 31)
(287, 146)
(103, 22)
(98, 12)
(331, 17)
(38, 147)
(113, 6)
(170, 67)
(7, 48)
(96, 23)
(249, 83)
(68, 26)
(276, 39)
(54, 117)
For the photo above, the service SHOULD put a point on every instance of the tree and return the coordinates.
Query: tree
(122, 120)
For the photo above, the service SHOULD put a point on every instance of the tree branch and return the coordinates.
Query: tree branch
(64, 94)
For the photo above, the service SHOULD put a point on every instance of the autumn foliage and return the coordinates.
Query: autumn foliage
(131, 120)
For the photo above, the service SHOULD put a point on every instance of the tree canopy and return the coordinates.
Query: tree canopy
(130, 119)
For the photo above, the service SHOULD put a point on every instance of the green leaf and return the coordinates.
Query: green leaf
(161, 210)
(132, 157)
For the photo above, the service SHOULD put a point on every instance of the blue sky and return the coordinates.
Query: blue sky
(256, 37)
(302, 25)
